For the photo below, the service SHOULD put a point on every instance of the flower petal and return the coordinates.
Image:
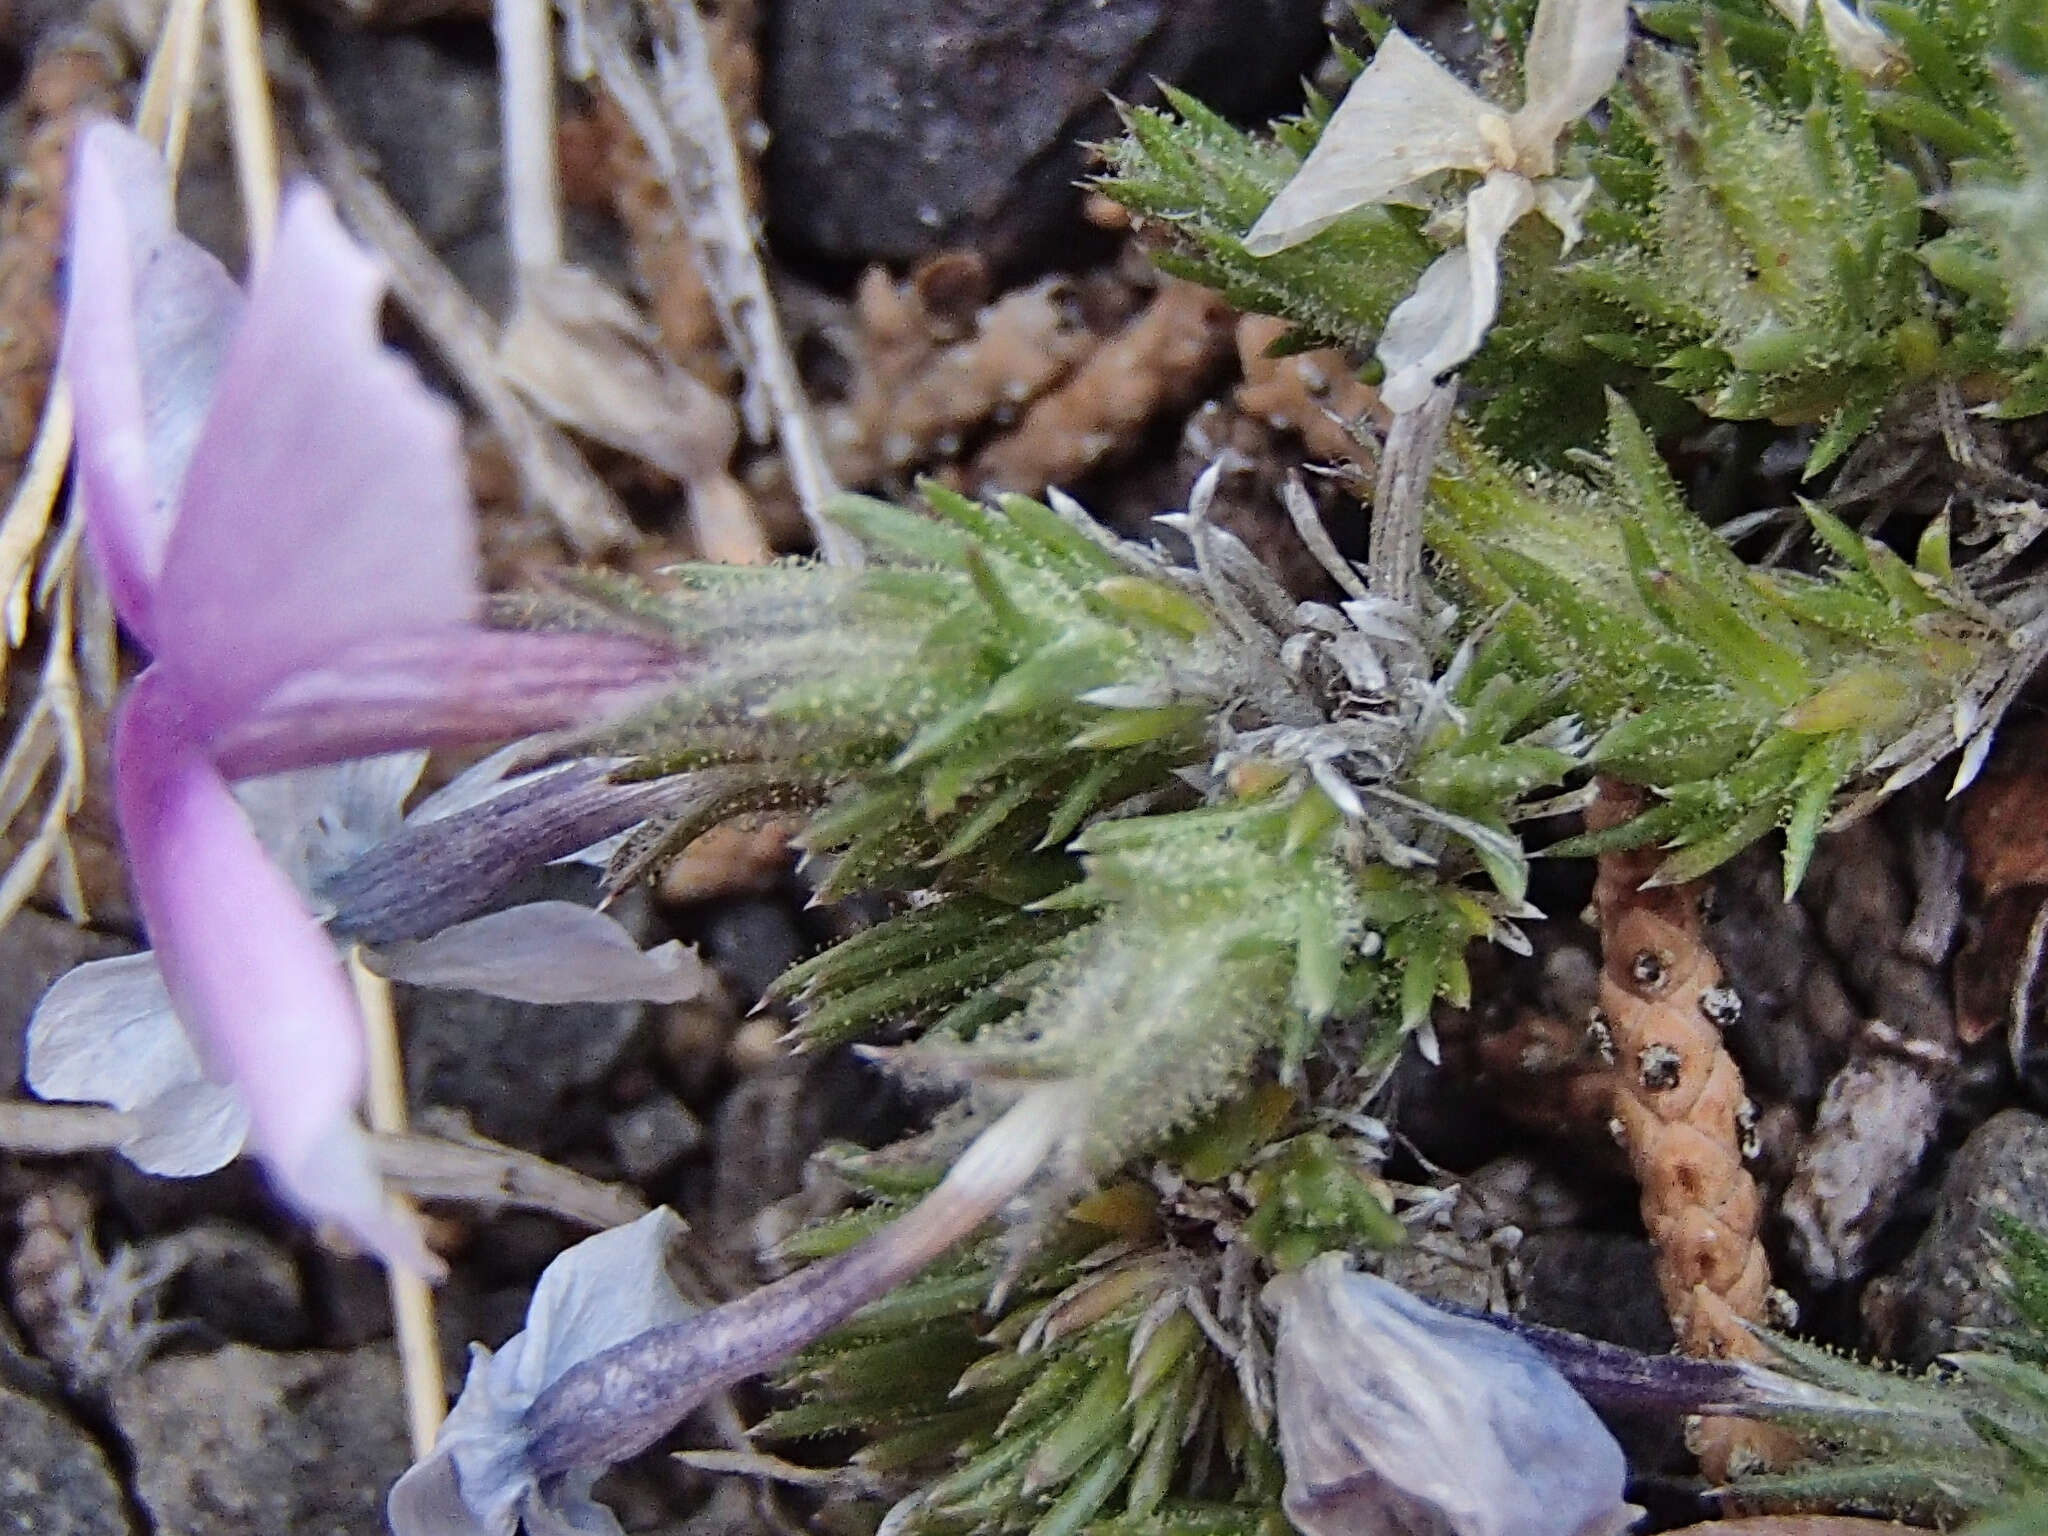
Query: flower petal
(1858, 41)
(254, 979)
(452, 687)
(315, 822)
(1575, 53)
(106, 1034)
(547, 952)
(1395, 1416)
(478, 1480)
(188, 1131)
(147, 322)
(325, 502)
(1563, 202)
(1406, 117)
(1443, 322)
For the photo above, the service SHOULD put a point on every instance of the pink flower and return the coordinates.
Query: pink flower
(277, 506)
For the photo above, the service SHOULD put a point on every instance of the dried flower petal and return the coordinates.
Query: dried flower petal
(1396, 1417)
(106, 1034)
(1444, 320)
(1575, 53)
(478, 1480)
(547, 952)
(1858, 41)
(1405, 118)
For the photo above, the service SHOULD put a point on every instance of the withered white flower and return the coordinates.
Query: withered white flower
(1397, 1417)
(1407, 117)
(478, 1480)
(1858, 41)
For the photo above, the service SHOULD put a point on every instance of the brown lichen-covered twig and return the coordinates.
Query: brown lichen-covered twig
(1680, 1111)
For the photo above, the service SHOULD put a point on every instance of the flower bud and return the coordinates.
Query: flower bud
(1397, 1419)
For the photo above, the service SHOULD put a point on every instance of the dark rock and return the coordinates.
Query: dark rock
(1797, 1019)
(235, 1283)
(426, 106)
(751, 943)
(1947, 1289)
(902, 127)
(55, 1480)
(34, 951)
(1603, 1284)
(513, 1067)
(653, 1136)
(242, 1441)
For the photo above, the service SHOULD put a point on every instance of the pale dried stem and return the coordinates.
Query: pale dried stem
(50, 730)
(550, 469)
(526, 115)
(59, 1130)
(252, 124)
(688, 137)
(164, 109)
(412, 1300)
(467, 1169)
(1413, 442)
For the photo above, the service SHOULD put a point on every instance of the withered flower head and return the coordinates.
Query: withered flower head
(1397, 1419)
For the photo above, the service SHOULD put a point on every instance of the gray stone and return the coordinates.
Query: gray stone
(1603, 1284)
(653, 1136)
(427, 109)
(1946, 1292)
(513, 1067)
(234, 1282)
(246, 1443)
(54, 1481)
(901, 127)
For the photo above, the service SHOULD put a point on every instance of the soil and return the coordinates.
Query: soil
(183, 1357)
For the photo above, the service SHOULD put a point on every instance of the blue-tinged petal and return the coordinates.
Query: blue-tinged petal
(106, 1034)
(478, 1480)
(148, 319)
(547, 952)
(315, 822)
(253, 978)
(325, 502)
(441, 688)
(1398, 1417)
